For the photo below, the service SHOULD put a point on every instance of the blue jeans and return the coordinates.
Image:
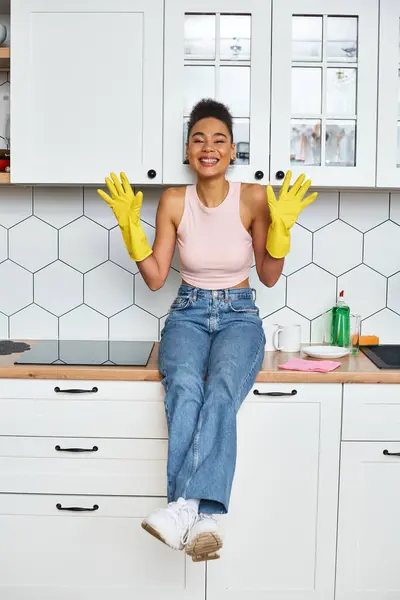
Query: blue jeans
(211, 350)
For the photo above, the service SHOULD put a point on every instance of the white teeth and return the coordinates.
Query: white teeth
(209, 160)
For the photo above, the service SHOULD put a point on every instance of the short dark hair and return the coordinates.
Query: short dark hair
(207, 107)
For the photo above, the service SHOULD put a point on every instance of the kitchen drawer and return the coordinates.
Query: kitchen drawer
(54, 554)
(110, 467)
(89, 390)
(293, 392)
(371, 412)
(74, 416)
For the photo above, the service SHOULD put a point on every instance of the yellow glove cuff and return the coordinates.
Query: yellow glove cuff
(135, 240)
(278, 240)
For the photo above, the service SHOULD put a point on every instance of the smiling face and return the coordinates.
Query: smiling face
(210, 149)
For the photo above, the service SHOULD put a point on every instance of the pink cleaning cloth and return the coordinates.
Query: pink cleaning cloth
(299, 364)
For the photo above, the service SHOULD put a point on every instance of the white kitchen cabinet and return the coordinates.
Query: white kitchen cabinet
(324, 89)
(281, 527)
(371, 412)
(388, 159)
(86, 90)
(369, 522)
(50, 553)
(218, 49)
(48, 465)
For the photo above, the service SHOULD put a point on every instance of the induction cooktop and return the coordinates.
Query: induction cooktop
(384, 356)
(86, 352)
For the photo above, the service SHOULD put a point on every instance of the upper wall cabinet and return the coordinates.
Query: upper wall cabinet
(324, 87)
(388, 174)
(218, 49)
(86, 90)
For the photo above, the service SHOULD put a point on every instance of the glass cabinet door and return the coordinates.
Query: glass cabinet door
(218, 49)
(388, 171)
(324, 78)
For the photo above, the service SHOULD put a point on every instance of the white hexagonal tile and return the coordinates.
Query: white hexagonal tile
(108, 289)
(15, 205)
(364, 210)
(151, 198)
(33, 244)
(337, 247)
(83, 323)
(385, 324)
(285, 316)
(395, 207)
(83, 244)
(311, 291)
(33, 323)
(157, 303)
(319, 330)
(97, 209)
(133, 323)
(3, 243)
(382, 248)
(58, 205)
(16, 287)
(365, 290)
(58, 288)
(300, 253)
(321, 212)
(3, 327)
(393, 299)
(268, 300)
(119, 253)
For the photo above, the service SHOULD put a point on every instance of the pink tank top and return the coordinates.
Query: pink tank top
(215, 250)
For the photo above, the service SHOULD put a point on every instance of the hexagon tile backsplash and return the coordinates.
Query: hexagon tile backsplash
(64, 270)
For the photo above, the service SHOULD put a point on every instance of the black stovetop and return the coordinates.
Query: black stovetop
(81, 352)
(384, 356)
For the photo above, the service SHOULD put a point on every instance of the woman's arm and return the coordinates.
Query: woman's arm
(269, 269)
(155, 268)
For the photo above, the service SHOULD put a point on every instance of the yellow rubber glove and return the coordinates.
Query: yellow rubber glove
(126, 207)
(285, 211)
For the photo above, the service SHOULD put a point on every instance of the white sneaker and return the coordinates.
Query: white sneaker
(205, 539)
(172, 525)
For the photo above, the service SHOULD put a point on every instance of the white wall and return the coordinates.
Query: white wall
(64, 271)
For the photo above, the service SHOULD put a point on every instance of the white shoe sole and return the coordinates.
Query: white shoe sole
(156, 534)
(204, 547)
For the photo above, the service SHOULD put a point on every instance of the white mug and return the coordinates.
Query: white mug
(287, 338)
(269, 331)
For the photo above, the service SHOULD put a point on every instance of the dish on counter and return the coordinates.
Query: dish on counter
(325, 351)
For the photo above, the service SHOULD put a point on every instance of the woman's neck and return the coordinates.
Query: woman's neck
(212, 192)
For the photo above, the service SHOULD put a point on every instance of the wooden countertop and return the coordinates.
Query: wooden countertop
(354, 369)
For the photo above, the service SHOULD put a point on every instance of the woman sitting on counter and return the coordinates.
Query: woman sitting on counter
(213, 330)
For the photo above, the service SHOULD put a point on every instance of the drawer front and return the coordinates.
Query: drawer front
(371, 412)
(88, 389)
(83, 466)
(55, 554)
(294, 392)
(77, 417)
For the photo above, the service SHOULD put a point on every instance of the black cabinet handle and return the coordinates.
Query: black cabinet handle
(151, 174)
(258, 393)
(59, 449)
(387, 453)
(76, 391)
(259, 174)
(280, 175)
(77, 508)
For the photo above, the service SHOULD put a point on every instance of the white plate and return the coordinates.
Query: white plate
(325, 351)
